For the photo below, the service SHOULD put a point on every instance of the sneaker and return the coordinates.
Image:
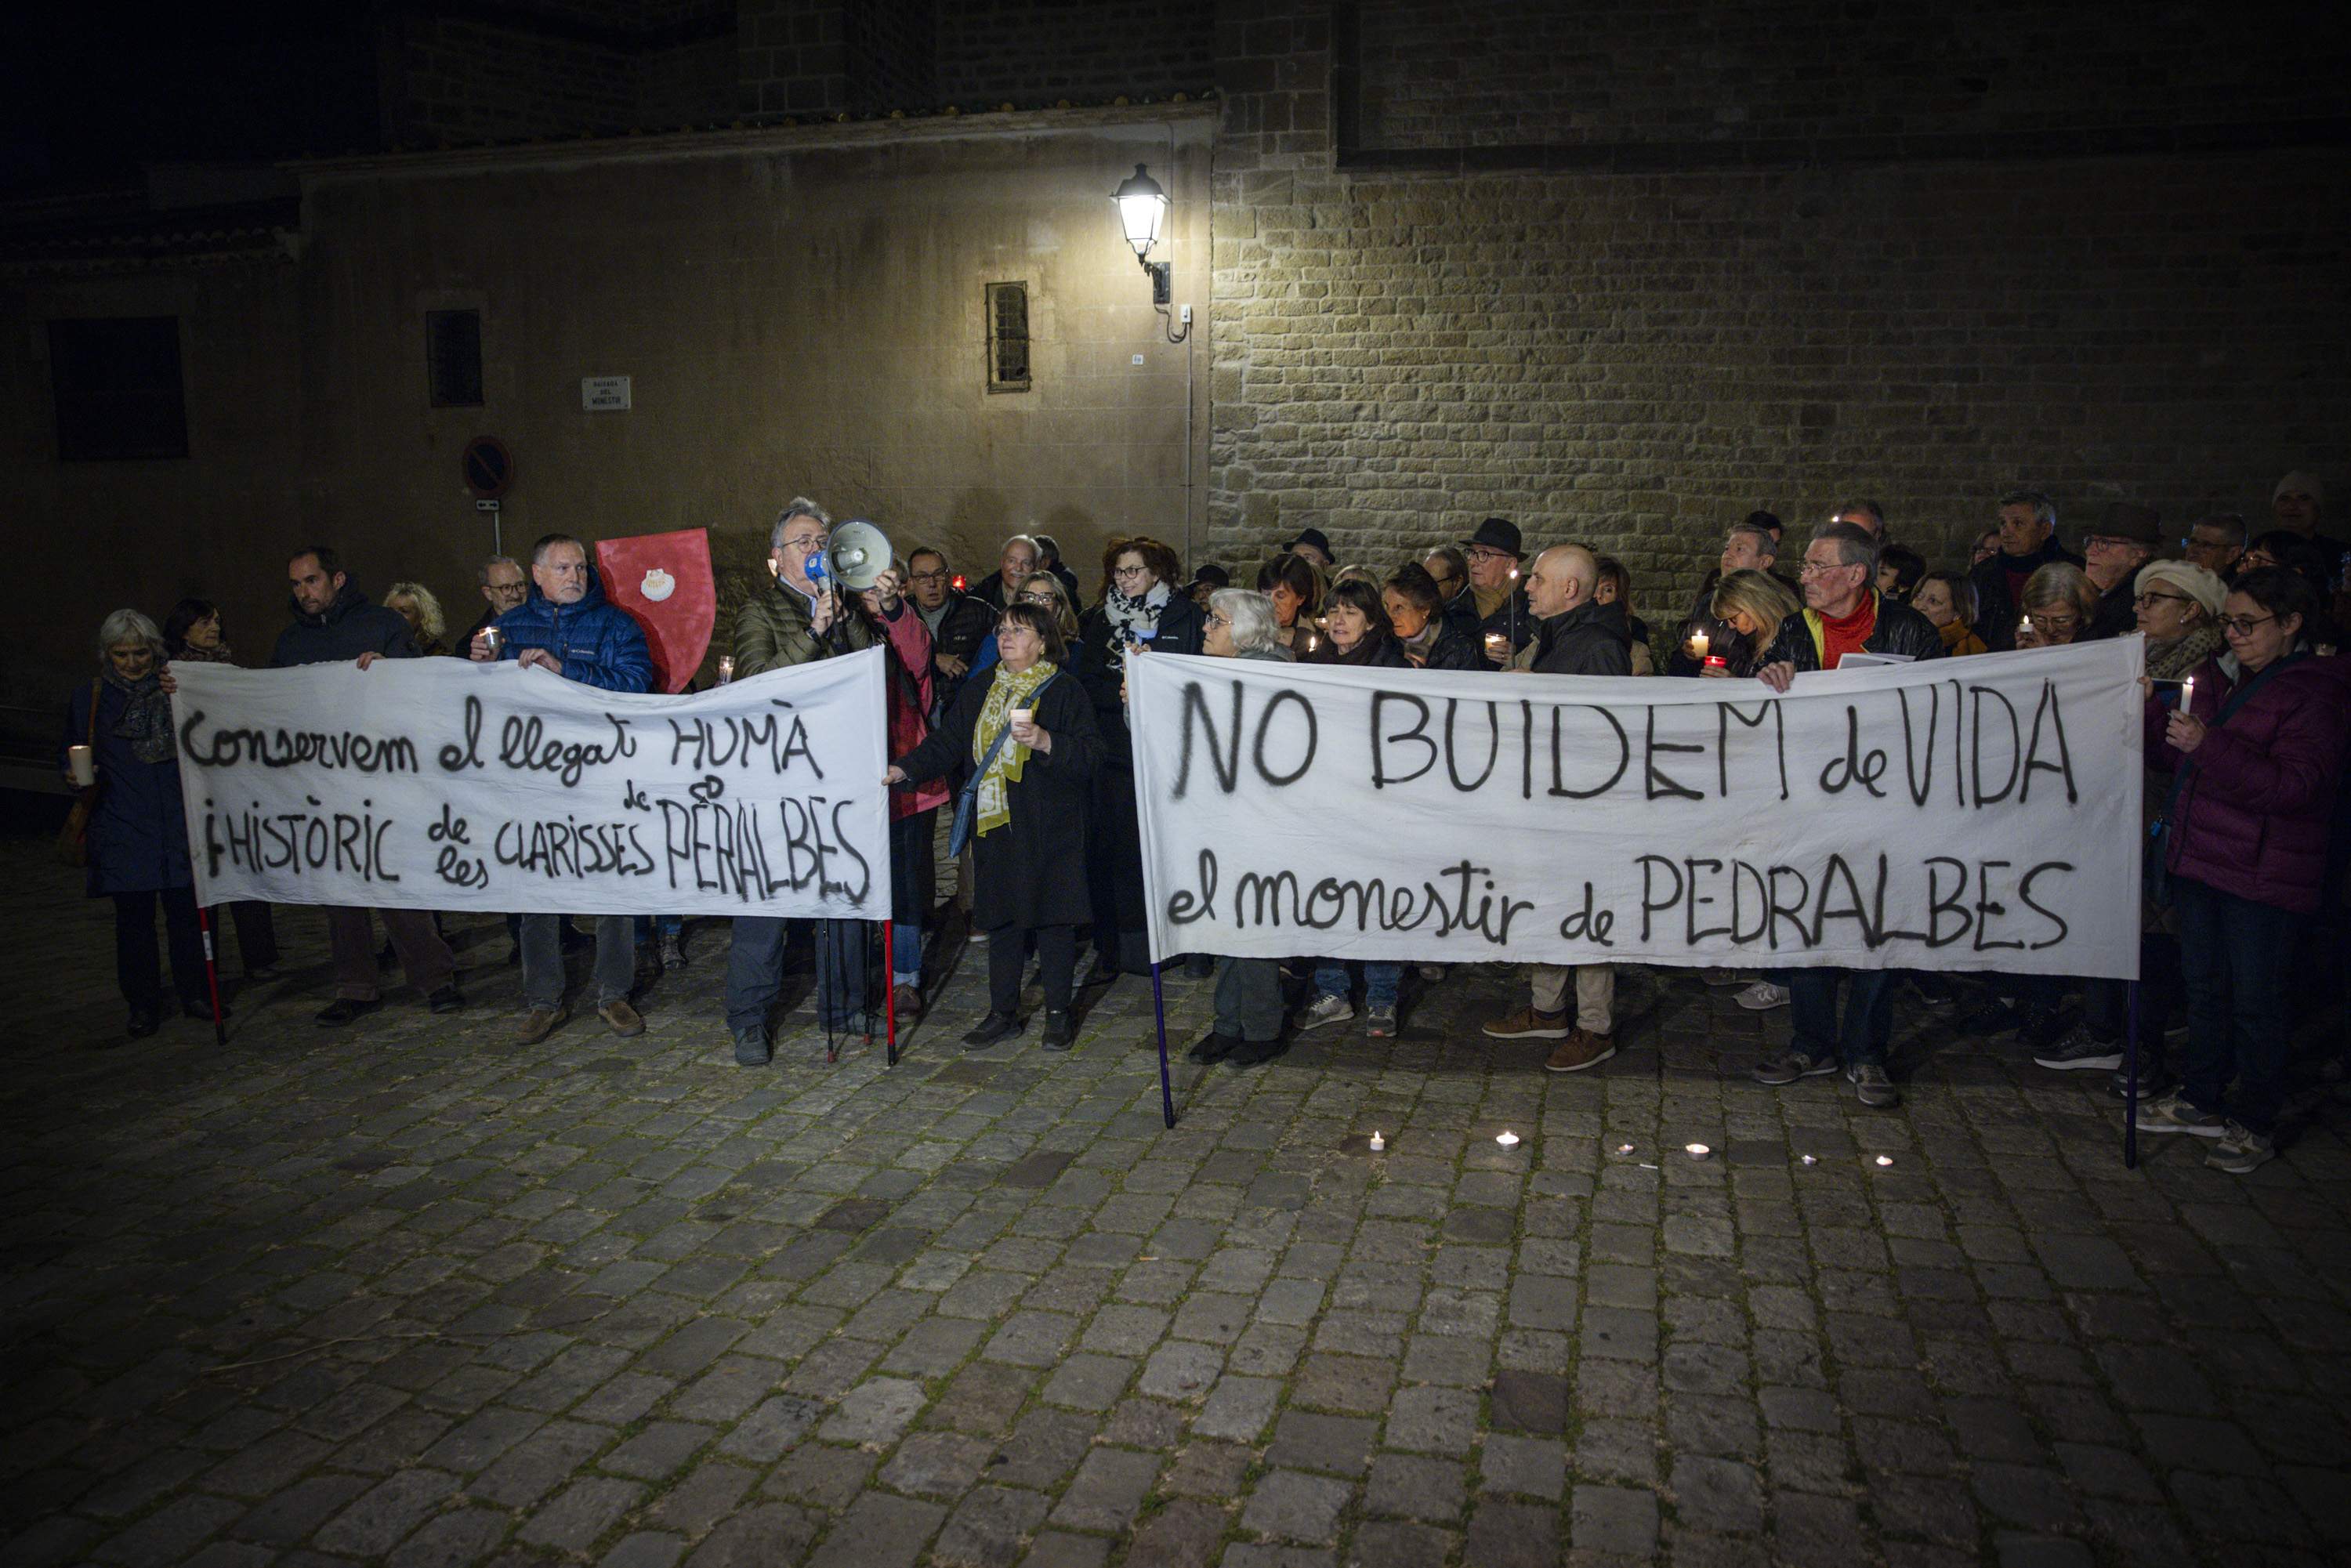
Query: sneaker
(1061, 1033)
(538, 1023)
(1323, 1011)
(1579, 1050)
(1871, 1086)
(1721, 978)
(1380, 1023)
(1762, 996)
(1792, 1064)
(342, 1010)
(751, 1046)
(2079, 1050)
(2241, 1151)
(996, 1026)
(1527, 1023)
(625, 1020)
(1214, 1046)
(447, 999)
(672, 950)
(2175, 1112)
(2153, 1083)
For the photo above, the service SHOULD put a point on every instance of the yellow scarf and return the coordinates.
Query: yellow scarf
(1007, 691)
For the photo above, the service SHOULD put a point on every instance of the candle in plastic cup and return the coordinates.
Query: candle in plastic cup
(725, 668)
(1025, 715)
(492, 640)
(81, 765)
(1717, 662)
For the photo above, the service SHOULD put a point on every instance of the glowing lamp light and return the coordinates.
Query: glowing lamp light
(1141, 203)
(962, 583)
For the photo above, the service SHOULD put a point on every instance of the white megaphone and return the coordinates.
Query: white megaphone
(858, 556)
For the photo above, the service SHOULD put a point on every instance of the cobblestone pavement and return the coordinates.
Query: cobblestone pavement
(410, 1293)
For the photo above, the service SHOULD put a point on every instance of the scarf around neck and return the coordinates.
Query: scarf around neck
(146, 721)
(1007, 691)
(1135, 618)
(216, 655)
(2179, 656)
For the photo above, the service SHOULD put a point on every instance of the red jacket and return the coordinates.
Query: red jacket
(909, 682)
(2253, 815)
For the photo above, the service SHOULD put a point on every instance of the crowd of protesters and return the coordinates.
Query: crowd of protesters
(2245, 808)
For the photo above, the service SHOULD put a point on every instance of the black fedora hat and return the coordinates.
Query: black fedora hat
(1311, 537)
(1499, 533)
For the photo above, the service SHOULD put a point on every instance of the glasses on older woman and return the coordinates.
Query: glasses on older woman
(2148, 600)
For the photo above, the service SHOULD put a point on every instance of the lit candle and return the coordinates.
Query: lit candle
(1508, 1140)
(2024, 627)
(725, 668)
(1624, 1148)
(1812, 1159)
(1697, 1151)
(1885, 1160)
(1378, 1142)
(1697, 644)
(2188, 695)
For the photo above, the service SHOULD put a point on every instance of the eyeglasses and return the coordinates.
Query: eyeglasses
(938, 575)
(2147, 601)
(1814, 568)
(2049, 622)
(1128, 570)
(2108, 541)
(1217, 619)
(2242, 625)
(1486, 553)
(809, 542)
(1040, 597)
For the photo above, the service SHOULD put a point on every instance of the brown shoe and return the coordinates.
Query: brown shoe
(624, 1017)
(1579, 1050)
(538, 1023)
(1529, 1024)
(908, 1001)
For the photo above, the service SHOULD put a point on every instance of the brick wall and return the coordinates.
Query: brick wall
(1638, 359)
(792, 57)
(892, 50)
(1041, 51)
(465, 80)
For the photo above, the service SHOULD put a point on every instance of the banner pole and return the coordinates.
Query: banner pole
(2130, 1083)
(212, 977)
(1159, 1009)
(890, 990)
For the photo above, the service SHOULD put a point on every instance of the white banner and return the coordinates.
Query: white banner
(1976, 813)
(444, 784)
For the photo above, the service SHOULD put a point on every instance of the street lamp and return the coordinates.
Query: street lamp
(1142, 204)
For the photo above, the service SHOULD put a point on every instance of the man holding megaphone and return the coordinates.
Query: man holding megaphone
(804, 615)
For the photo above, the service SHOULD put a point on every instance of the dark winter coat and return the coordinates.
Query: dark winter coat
(1996, 610)
(1590, 640)
(1032, 871)
(1899, 630)
(138, 830)
(775, 629)
(1512, 618)
(598, 643)
(1454, 649)
(1375, 651)
(346, 629)
(1100, 666)
(2117, 611)
(2251, 816)
(964, 624)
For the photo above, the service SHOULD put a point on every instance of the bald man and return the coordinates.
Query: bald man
(1576, 635)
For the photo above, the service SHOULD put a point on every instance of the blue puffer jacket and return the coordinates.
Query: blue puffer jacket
(599, 643)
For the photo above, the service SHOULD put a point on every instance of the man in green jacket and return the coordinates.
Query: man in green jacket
(795, 621)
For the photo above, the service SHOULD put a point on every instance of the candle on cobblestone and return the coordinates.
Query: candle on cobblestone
(1812, 1159)
(1508, 1140)
(1378, 1142)
(1697, 1151)
(1884, 1160)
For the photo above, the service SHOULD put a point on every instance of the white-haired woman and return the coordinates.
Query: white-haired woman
(137, 836)
(1248, 1030)
(426, 625)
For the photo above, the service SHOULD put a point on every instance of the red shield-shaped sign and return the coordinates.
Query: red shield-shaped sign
(663, 580)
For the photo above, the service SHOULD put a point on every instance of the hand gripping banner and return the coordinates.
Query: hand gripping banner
(444, 784)
(1980, 813)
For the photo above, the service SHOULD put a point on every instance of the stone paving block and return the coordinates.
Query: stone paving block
(987, 1528)
(937, 1464)
(1239, 1408)
(1303, 1439)
(657, 1451)
(1107, 1490)
(1295, 1506)
(1512, 1535)
(773, 1533)
(380, 1518)
(577, 1516)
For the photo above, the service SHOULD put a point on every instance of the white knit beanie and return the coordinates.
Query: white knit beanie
(2301, 484)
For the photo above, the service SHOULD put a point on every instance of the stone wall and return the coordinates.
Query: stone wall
(1087, 51)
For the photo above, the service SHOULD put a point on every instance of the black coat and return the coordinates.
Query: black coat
(1454, 649)
(963, 626)
(350, 626)
(1899, 630)
(2117, 611)
(138, 830)
(1376, 651)
(1996, 612)
(1032, 871)
(1592, 639)
(1512, 618)
(1102, 666)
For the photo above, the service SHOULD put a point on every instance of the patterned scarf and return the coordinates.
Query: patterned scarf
(1008, 692)
(2170, 660)
(1134, 620)
(217, 653)
(146, 721)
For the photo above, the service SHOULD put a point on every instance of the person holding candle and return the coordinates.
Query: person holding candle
(1750, 606)
(1948, 600)
(1751, 545)
(1505, 623)
(2058, 605)
(1140, 610)
(1296, 586)
(1033, 739)
(2028, 541)
(2255, 757)
(118, 734)
(1358, 633)
(1429, 639)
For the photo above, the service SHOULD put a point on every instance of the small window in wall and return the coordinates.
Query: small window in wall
(1008, 337)
(453, 358)
(118, 391)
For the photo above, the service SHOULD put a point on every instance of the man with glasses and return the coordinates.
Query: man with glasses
(959, 623)
(2216, 543)
(1844, 613)
(1750, 546)
(2028, 541)
(569, 627)
(504, 587)
(794, 621)
(1448, 567)
(2112, 553)
(1505, 625)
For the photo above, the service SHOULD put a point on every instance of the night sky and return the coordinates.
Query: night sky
(92, 91)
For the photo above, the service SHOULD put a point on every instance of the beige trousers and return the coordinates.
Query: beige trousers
(1595, 993)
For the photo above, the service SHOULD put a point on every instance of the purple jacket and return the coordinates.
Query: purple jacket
(2253, 816)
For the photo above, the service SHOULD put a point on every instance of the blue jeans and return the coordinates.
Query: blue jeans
(667, 925)
(1869, 1014)
(2233, 955)
(542, 959)
(1380, 982)
(754, 972)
